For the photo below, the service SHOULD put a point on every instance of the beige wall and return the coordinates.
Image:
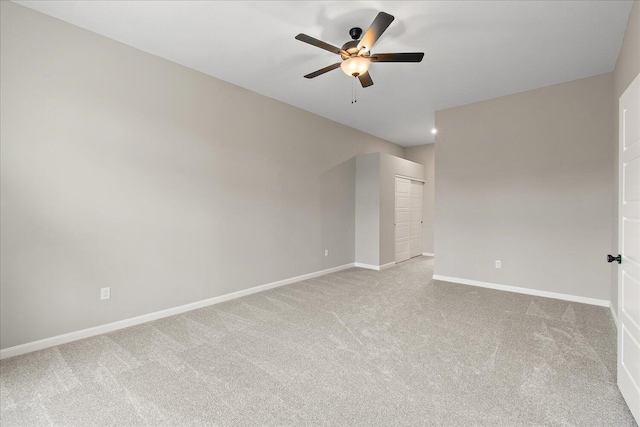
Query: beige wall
(125, 170)
(628, 63)
(368, 209)
(426, 155)
(526, 179)
(627, 68)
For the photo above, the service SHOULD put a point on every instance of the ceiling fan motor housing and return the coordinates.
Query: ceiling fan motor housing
(350, 47)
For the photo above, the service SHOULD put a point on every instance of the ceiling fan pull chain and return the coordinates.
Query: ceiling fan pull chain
(355, 90)
(352, 90)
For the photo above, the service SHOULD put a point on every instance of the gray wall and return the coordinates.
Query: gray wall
(122, 169)
(426, 155)
(526, 179)
(368, 209)
(627, 68)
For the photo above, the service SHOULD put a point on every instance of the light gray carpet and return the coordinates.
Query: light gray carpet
(352, 348)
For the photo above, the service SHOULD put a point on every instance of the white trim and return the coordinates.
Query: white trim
(411, 178)
(114, 326)
(375, 267)
(387, 265)
(526, 291)
(427, 254)
(613, 315)
(367, 266)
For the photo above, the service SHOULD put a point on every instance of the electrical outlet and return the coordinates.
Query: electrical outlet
(498, 263)
(326, 252)
(105, 293)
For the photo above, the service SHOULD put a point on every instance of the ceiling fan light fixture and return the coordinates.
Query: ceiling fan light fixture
(356, 55)
(355, 66)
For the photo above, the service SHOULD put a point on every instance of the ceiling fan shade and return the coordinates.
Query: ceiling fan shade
(355, 66)
(355, 54)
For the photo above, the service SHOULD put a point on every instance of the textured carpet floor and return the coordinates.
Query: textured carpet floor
(356, 347)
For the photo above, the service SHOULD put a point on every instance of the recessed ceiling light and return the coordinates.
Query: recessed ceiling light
(434, 131)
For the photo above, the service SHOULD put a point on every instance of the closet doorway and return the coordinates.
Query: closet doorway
(408, 218)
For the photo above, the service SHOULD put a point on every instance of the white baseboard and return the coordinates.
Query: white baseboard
(375, 267)
(526, 291)
(427, 254)
(367, 266)
(613, 315)
(387, 265)
(110, 327)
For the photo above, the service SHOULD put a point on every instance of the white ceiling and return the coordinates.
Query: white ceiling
(474, 50)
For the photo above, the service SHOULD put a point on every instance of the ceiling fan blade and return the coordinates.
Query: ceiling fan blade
(378, 26)
(319, 43)
(365, 79)
(323, 70)
(397, 57)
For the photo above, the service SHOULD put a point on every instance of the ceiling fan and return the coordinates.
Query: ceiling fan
(356, 53)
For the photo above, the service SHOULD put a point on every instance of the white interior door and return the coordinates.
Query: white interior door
(415, 210)
(629, 243)
(403, 219)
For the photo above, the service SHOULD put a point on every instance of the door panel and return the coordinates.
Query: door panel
(402, 232)
(416, 218)
(402, 247)
(403, 219)
(630, 355)
(630, 247)
(632, 180)
(629, 242)
(402, 186)
(631, 298)
(416, 244)
(402, 202)
(631, 125)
